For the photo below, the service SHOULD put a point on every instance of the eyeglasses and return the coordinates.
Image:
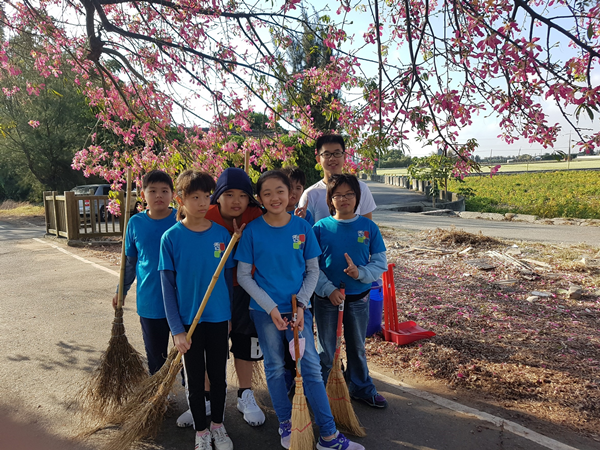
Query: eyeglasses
(348, 196)
(328, 155)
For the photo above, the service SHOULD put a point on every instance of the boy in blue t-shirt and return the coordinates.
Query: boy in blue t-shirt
(353, 254)
(142, 250)
(297, 185)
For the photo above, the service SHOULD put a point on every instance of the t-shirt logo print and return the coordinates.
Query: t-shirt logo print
(363, 237)
(298, 240)
(219, 248)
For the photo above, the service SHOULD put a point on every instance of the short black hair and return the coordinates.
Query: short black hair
(335, 182)
(330, 139)
(191, 181)
(272, 174)
(295, 174)
(157, 176)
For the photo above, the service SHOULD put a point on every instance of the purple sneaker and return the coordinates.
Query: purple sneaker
(377, 401)
(339, 442)
(285, 431)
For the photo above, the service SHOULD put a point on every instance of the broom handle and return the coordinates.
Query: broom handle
(338, 333)
(296, 342)
(125, 221)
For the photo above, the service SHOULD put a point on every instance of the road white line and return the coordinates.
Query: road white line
(97, 266)
(513, 427)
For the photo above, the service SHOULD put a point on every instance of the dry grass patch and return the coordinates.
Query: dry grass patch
(10, 208)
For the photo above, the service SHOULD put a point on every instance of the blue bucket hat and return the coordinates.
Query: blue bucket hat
(233, 178)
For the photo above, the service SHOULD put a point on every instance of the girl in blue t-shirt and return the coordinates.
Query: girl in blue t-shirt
(283, 249)
(190, 252)
(353, 254)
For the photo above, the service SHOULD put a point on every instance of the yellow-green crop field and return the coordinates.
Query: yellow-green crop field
(512, 167)
(545, 194)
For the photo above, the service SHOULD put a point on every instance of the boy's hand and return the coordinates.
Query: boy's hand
(351, 270)
(180, 341)
(115, 301)
(299, 323)
(238, 230)
(280, 322)
(336, 298)
(301, 211)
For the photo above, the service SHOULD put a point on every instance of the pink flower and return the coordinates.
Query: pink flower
(34, 123)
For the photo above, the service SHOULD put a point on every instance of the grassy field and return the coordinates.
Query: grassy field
(532, 167)
(545, 194)
(20, 209)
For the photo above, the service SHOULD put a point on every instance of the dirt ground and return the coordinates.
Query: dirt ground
(539, 356)
(506, 334)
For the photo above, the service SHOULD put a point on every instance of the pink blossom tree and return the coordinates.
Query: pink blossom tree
(174, 79)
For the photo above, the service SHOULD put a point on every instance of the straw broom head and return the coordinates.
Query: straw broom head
(339, 401)
(120, 371)
(121, 368)
(302, 437)
(145, 419)
(147, 389)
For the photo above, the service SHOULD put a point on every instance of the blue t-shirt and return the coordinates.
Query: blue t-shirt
(279, 255)
(360, 239)
(309, 217)
(194, 256)
(142, 241)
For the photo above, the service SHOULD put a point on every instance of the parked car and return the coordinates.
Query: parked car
(98, 189)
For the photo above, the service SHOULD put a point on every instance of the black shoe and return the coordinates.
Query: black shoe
(376, 401)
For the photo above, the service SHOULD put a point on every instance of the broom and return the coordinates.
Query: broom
(121, 367)
(142, 416)
(337, 390)
(302, 437)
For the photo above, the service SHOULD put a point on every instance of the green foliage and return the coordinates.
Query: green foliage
(36, 158)
(395, 158)
(545, 194)
(306, 52)
(434, 168)
(304, 158)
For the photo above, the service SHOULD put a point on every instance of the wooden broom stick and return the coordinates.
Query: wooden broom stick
(337, 390)
(125, 222)
(302, 437)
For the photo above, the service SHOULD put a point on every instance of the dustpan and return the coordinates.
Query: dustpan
(406, 333)
(400, 333)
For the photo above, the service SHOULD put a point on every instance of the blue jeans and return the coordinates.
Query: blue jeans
(356, 319)
(274, 347)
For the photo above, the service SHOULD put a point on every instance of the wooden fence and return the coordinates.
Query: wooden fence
(80, 216)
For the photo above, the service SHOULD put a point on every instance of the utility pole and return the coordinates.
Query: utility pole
(569, 157)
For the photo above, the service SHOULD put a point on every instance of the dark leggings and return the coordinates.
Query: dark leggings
(210, 340)
(156, 334)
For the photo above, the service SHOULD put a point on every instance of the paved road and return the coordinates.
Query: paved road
(387, 196)
(55, 321)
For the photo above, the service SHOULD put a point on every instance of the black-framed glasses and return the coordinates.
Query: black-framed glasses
(348, 196)
(328, 155)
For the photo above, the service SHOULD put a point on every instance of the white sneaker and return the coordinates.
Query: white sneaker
(203, 441)
(186, 420)
(246, 404)
(221, 438)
